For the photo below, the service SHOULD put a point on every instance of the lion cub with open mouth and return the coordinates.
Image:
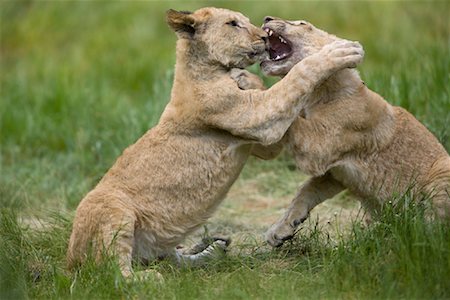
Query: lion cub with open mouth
(348, 137)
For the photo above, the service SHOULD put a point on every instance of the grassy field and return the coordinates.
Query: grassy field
(80, 81)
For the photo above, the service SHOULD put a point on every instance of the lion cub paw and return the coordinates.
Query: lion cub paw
(279, 233)
(343, 54)
(246, 80)
(209, 249)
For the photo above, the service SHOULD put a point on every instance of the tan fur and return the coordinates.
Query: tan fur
(173, 178)
(348, 137)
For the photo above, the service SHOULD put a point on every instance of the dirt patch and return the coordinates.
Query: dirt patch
(248, 211)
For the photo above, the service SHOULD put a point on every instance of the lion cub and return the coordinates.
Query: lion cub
(173, 178)
(348, 137)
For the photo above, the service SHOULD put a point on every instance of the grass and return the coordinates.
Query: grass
(80, 81)
(401, 256)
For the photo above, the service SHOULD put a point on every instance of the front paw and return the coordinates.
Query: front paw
(279, 233)
(342, 54)
(246, 80)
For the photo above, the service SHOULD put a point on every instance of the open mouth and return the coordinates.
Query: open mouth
(279, 47)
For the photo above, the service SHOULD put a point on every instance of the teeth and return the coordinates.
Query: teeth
(269, 31)
(282, 40)
(279, 57)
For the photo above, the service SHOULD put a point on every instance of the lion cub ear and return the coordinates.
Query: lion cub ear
(182, 22)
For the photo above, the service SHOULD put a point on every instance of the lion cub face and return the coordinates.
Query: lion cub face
(220, 36)
(290, 42)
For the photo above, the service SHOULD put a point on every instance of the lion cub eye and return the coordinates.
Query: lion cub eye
(233, 23)
(297, 23)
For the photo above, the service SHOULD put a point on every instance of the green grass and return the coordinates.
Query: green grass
(80, 81)
(401, 256)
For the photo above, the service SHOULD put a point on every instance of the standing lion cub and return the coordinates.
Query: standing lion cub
(348, 137)
(173, 178)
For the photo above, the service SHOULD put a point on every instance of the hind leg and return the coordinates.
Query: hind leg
(438, 189)
(116, 237)
(440, 205)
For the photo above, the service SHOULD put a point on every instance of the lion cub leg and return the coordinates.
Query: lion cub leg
(246, 80)
(115, 237)
(312, 192)
(439, 189)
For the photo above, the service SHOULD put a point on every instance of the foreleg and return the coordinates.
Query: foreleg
(265, 116)
(312, 192)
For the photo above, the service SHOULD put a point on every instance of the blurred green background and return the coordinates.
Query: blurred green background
(82, 80)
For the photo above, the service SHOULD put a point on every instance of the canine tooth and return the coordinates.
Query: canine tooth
(270, 32)
(278, 57)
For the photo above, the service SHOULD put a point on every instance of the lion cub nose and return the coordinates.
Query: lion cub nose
(264, 37)
(261, 34)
